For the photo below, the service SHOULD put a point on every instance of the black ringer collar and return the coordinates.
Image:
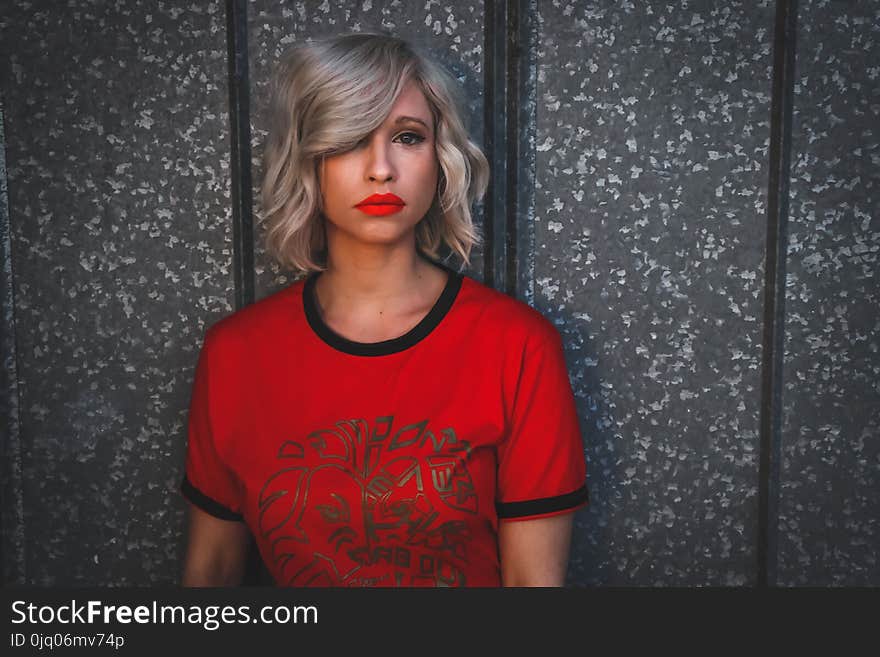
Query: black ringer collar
(418, 332)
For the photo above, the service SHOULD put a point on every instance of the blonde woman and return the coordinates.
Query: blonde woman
(385, 420)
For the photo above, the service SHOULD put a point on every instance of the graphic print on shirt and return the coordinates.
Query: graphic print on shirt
(355, 505)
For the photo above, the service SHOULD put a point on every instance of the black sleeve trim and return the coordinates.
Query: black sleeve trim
(205, 503)
(543, 505)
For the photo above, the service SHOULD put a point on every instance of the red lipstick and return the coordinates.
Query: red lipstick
(381, 204)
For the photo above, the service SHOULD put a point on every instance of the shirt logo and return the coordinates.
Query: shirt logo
(362, 505)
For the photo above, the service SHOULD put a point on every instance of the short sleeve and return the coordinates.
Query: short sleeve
(541, 465)
(208, 483)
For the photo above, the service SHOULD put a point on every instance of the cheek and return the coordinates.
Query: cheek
(333, 182)
(430, 170)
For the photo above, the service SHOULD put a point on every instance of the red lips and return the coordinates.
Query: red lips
(382, 199)
(380, 205)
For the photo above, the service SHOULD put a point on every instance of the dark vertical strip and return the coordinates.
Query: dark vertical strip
(501, 116)
(12, 543)
(774, 288)
(512, 124)
(240, 130)
(242, 196)
(494, 200)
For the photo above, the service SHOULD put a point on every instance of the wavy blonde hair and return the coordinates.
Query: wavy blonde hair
(325, 97)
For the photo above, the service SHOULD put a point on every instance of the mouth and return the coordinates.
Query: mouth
(381, 200)
(380, 205)
(380, 209)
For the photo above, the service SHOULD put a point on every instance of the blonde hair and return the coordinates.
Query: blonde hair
(326, 96)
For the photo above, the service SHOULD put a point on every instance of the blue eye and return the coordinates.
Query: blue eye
(406, 138)
(417, 138)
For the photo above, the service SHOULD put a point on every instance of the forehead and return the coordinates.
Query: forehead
(412, 102)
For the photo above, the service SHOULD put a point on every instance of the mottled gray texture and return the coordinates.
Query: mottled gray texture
(829, 532)
(652, 146)
(12, 510)
(526, 174)
(117, 157)
(451, 33)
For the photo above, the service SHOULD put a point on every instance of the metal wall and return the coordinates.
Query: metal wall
(653, 123)
(117, 159)
(632, 146)
(829, 503)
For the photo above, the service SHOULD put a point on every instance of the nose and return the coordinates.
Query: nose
(379, 166)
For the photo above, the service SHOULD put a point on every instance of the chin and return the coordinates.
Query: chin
(384, 240)
(381, 230)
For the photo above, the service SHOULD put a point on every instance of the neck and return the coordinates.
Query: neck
(372, 275)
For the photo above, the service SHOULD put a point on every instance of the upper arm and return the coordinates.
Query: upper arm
(218, 539)
(534, 552)
(216, 550)
(541, 469)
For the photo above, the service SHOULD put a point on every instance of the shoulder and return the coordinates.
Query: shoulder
(260, 321)
(511, 321)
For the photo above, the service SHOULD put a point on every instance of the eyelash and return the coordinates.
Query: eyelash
(418, 139)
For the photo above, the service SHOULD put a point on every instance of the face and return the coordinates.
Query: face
(397, 158)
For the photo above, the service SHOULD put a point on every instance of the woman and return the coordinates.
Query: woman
(386, 421)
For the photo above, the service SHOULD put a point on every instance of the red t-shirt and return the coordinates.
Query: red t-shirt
(390, 463)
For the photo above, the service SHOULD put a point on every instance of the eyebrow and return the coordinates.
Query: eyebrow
(415, 119)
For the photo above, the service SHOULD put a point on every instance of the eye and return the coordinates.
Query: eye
(411, 138)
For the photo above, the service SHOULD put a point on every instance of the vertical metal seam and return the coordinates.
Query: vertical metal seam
(240, 155)
(242, 196)
(512, 125)
(14, 563)
(490, 119)
(502, 83)
(774, 289)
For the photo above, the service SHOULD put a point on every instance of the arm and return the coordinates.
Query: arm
(216, 552)
(535, 552)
